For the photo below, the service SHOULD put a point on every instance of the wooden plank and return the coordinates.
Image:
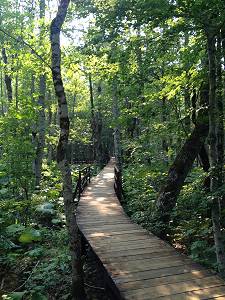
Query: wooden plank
(98, 224)
(174, 288)
(95, 218)
(133, 285)
(121, 244)
(105, 233)
(125, 236)
(120, 240)
(107, 259)
(134, 252)
(116, 229)
(142, 256)
(157, 273)
(218, 298)
(144, 244)
(203, 294)
(142, 266)
(127, 267)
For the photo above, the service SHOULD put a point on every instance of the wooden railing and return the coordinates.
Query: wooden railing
(118, 183)
(83, 179)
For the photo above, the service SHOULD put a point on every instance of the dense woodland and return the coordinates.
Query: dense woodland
(141, 80)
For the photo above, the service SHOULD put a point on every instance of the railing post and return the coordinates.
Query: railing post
(89, 174)
(79, 185)
(118, 183)
(84, 177)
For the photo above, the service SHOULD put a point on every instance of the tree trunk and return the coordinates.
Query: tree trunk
(8, 79)
(69, 205)
(93, 121)
(203, 155)
(117, 134)
(220, 99)
(40, 143)
(213, 155)
(187, 96)
(51, 128)
(16, 90)
(41, 113)
(100, 155)
(73, 108)
(182, 165)
(165, 147)
(1, 93)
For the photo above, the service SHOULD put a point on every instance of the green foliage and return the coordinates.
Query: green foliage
(191, 225)
(37, 244)
(140, 185)
(17, 153)
(14, 296)
(29, 236)
(151, 56)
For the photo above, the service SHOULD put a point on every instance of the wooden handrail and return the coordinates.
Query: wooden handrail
(84, 178)
(118, 183)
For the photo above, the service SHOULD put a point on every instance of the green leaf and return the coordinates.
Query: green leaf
(17, 295)
(37, 252)
(14, 229)
(56, 221)
(30, 236)
(39, 296)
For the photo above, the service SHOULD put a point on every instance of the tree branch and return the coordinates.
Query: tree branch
(33, 51)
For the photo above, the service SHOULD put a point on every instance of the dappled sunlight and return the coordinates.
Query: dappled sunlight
(137, 261)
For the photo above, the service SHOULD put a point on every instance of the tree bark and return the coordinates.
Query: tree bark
(1, 94)
(40, 144)
(41, 113)
(93, 121)
(165, 147)
(187, 96)
(117, 134)
(182, 165)
(213, 154)
(203, 155)
(78, 292)
(220, 99)
(8, 79)
(17, 90)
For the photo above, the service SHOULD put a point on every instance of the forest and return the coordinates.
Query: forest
(82, 81)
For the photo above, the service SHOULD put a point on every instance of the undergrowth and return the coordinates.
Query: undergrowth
(34, 252)
(190, 226)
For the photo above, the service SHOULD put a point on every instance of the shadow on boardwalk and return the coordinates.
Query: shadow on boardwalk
(138, 265)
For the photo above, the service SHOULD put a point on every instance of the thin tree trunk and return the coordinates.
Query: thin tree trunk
(51, 128)
(99, 127)
(220, 99)
(16, 90)
(117, 134)
(32, 87)
(93, 121)
(2, 103)
(69, 205)
(41, 130)
(164, 141)
(213, 155)
(73, 108)
(203, 155)
(182, 165)
(187, 96)
(41, 113)
(8, 79)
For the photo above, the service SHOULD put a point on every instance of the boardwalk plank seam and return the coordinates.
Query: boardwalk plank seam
(138, 265)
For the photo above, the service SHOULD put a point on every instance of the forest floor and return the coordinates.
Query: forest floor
(37, 266)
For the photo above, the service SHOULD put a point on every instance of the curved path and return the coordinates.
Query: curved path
(138, 264)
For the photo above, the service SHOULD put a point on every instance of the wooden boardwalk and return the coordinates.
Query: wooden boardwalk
(138, 264)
